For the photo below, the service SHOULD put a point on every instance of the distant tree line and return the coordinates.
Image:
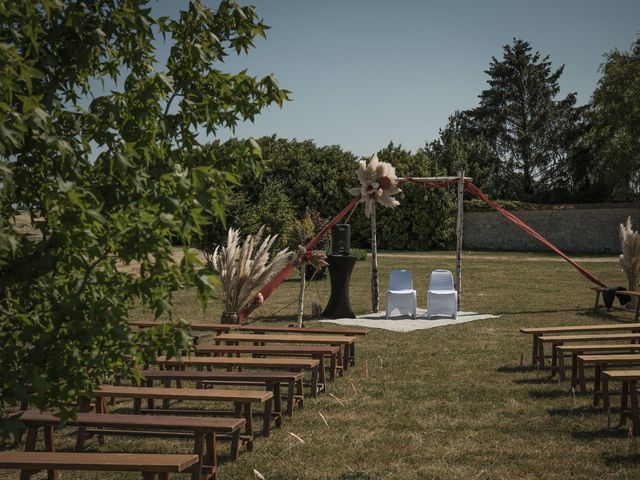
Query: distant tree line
(522, 143)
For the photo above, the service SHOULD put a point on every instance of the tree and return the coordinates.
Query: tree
(615, 117)
(522, 121)
(109, 175)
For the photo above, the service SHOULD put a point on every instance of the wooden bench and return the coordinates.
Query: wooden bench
(629, 394)
(556, 340)
(629, 293)
(600, 363)
(537, 355)
(313, 351)
(241, 399)
(202, 430)
(575, 350)
(349, 331)
(270, 379)
(299, 364)
(150, 465)
(346, 343)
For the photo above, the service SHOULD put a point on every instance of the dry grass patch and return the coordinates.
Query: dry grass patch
(451, 402)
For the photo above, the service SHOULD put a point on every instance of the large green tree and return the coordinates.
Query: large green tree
(102, 145)
(615, 125)
(523, 121)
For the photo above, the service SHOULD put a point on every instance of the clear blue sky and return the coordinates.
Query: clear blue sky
(364, 72)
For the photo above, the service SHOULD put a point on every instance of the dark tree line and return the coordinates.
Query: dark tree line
(525, 142)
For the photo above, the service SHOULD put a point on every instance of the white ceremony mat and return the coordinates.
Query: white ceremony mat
(407, 324)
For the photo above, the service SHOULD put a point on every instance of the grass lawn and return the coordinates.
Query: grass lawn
(445, 403)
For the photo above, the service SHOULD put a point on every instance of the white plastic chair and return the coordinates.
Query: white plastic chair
(442, 298)
(401, 296)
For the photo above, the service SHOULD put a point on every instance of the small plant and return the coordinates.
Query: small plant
(245, 267)
(359, 253)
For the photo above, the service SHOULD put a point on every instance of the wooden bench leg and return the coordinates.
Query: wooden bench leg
(582, 378)
(30, 446)
(534, 352)
(235, 444)
(290, 397)
(323, 378)
(352, 354)
(595, 307)
(623, 402)
(266, 418)
(299, 394)
(540, 354)
(198, 449)
(314, 382)
(554, 358)
(606, 399)
(561, 367)
(50, 446)
(332, 368)
(347, 356)
(633, 391)
(248, 417)
(277, 403)
(211, 458)
(597, 377)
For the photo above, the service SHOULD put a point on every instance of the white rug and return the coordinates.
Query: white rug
(406, 323)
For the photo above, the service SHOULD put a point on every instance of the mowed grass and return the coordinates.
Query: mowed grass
(445, 403)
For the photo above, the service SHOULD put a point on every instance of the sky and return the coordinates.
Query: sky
(364, 73)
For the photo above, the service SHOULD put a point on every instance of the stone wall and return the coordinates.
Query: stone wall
(591, 228)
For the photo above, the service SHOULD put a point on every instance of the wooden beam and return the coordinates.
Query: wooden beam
(459, 228)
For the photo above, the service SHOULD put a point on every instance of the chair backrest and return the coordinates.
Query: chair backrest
(441, 280)
(400, 280)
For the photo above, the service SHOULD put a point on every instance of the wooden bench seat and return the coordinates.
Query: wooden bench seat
(270, 379)
(202, 429)
(349, 331)
(300, 364)
(537, 355)
(313, 351)
(241, 399)
(346, 343)
(149, 465)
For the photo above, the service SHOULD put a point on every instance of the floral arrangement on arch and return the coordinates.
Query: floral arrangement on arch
(378, 183)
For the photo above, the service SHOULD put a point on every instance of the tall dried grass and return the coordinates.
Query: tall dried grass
(630, 257)
(246, 266)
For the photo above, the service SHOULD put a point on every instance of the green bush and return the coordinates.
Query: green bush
(359, 253)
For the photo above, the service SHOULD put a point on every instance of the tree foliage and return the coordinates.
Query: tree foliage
(522, 120)
(101, 144)
(615, 129)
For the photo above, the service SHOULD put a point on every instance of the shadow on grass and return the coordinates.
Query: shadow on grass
(600, 433)
(516, 369)
(535, 381)
(546, 394)
(571, 412)
(578, 311)
(618, 460)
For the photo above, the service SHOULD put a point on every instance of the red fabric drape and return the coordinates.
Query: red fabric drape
(520, 224)
(270, 287)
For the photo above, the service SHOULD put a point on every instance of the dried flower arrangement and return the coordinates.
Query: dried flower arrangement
(244, 267)
(630, 258)
(378, 183)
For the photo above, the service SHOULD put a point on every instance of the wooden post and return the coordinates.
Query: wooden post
(301, 294)
(375, 296)
(459, 236)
